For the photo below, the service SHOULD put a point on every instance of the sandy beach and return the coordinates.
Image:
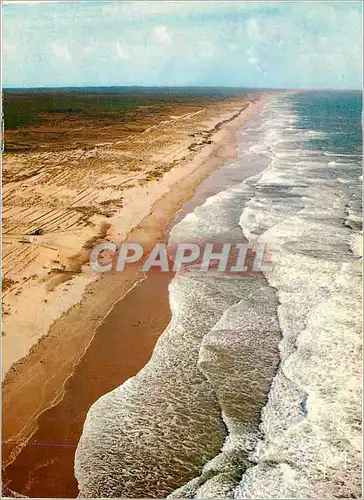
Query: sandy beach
(59, 201)
(56, 345)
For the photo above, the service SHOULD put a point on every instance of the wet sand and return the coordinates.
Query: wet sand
(122, 345)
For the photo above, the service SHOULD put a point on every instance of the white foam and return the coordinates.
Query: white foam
(189, 418)
(312, 441)
(166, 424)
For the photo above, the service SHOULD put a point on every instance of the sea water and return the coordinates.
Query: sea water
(253, 390)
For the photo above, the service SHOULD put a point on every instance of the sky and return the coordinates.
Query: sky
(271, 44)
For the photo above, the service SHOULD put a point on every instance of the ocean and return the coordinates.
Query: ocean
(254, 388)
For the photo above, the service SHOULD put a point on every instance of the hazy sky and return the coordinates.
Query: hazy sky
(254, 44)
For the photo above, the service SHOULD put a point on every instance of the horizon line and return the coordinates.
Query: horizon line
(15, 87)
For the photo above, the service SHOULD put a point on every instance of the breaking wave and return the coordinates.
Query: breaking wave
(253, 390)
(311, 424)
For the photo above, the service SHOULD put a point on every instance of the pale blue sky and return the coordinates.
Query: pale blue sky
(253, 44)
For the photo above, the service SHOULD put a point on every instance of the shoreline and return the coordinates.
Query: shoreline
(86, 196)
(99, 300)
(297, 402)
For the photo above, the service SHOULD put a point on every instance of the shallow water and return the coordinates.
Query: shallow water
(182, 406)
(188, 424)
